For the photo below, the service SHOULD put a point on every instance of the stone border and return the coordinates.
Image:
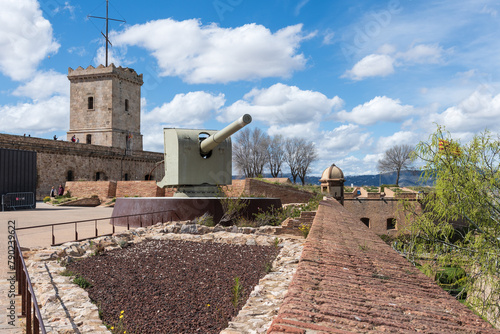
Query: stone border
(66, 308)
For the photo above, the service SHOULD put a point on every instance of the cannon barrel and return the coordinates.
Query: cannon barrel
(211, 142)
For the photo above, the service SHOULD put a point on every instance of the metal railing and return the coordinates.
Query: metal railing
(18, 200)
(154, 218)
(29, 308)
(29, 304)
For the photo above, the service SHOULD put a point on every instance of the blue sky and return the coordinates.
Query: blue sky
(354, 77)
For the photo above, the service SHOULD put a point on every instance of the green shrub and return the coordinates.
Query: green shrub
(82, 282)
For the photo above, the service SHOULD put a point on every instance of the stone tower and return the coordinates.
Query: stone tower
(105, 106)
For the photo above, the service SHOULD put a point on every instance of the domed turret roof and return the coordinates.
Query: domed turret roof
(332, 173)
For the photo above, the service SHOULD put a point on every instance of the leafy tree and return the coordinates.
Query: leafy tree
(396, 159)
(467, 191)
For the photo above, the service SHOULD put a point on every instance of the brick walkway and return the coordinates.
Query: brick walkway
(349, 280)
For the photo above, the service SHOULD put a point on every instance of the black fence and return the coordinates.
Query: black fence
(13, 201)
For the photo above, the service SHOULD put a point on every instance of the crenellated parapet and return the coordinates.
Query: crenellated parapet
(101, 71)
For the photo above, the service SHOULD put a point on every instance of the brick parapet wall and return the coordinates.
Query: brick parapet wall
(138, 189)
(287, 194)
(101, 189)
(349, 280)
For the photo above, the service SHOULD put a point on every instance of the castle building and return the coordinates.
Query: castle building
(105, 125)
(105, 107)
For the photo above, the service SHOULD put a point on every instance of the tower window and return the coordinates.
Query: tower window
(126, 177)
(89, 139)
(70, 176)
(126, 104)
(366, 221)
(391, 224)
(90, 103)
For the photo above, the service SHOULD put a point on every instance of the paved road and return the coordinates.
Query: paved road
(43, 214)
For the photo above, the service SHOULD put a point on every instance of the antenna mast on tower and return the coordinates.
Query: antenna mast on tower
(107, 23)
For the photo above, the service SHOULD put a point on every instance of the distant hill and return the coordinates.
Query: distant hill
(407, 178)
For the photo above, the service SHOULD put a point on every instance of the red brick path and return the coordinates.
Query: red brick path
(349, 280)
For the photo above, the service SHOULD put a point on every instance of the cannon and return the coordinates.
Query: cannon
(198, 161)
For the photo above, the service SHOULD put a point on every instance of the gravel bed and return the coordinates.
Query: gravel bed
(172, 286)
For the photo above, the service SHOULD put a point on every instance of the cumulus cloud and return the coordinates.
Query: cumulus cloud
(382, 64)
(282, 106)
(380, 108)
(373, 65)
(44, 85)
(478, 111)
(211, 54)
(398, 138)
(185, 110)
(343, 139)
(44, 116)
(25, 38)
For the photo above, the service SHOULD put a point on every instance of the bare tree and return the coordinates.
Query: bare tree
(241, 156)
(250, 152)
(292, 156)
(396, 159)
(299, 154)
(275, 155)
(307, 156)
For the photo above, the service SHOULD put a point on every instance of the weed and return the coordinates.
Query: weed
(268, 267)
(237, 291)
(304, 228)
(123, 243)
(82, 282)
(364, 248)
(276, 242)
(67, 272)
(98, 248)
(206, 220)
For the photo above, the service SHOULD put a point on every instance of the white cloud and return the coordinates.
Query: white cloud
(398, 138)
(186, 110)
(343, 140)
(25, 38)
(45, 116)
(43, 85)
(301, 4)
(422, 54)
(211, 54)
(328, 37)
(478, 111)
(373, 65)
(282, 106)
(189, 110)
(380, 108)
(382, 64)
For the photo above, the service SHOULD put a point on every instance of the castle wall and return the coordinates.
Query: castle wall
(287, 195)
(379, 211)
(55, 159)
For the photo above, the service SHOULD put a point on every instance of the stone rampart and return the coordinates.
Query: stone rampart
(348, 280)
(60, 161)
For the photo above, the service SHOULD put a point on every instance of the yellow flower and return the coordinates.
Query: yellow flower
(208, 305)
(112, 327)
(122, 312)
(121, 316)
